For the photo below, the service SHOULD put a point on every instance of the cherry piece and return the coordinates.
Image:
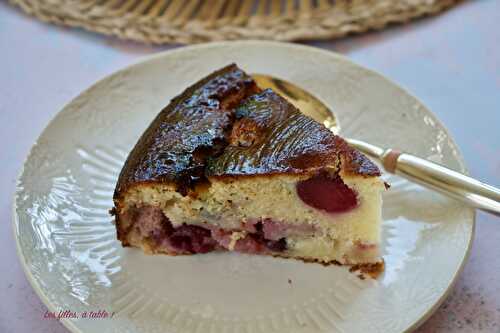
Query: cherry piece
(328, 194)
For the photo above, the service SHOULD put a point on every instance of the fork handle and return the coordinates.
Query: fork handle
(444, 180)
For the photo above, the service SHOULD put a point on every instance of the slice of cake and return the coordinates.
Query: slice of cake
(229, 166)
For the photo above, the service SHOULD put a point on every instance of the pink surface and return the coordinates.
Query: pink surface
(451, 62)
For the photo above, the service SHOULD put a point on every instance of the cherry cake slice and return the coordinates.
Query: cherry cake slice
(227, 166)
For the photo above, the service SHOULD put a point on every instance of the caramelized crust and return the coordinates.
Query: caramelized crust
(174, 147)
(271, 136)
(224, 125)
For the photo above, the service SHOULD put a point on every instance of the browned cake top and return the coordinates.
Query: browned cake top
(269, 135)
(224, 125)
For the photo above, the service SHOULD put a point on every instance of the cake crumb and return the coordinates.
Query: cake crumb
(235, 236)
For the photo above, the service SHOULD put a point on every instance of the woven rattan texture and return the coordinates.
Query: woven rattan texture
(192, 21)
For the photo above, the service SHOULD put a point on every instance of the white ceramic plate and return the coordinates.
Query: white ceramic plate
(67, 245)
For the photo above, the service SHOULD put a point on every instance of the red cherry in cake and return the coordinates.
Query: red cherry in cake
(329, 194)
(192, 239)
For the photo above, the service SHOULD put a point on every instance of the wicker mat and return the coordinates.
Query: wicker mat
(192, 21)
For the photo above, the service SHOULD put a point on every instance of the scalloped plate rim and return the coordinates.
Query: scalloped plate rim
(143, 61)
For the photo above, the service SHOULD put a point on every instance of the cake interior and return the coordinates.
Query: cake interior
(322, 217)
